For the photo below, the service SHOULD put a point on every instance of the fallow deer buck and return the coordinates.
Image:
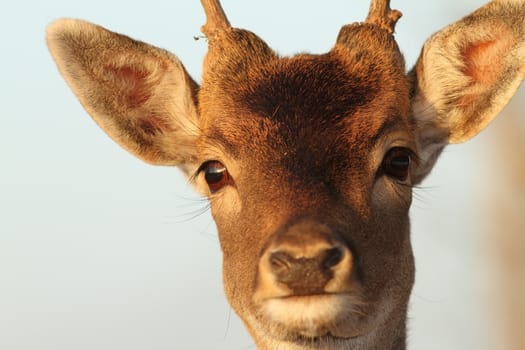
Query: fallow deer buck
(308, 161)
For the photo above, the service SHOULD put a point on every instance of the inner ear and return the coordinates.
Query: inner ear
(481, 59)
(132, 87)
(482, 67)
(130, 84)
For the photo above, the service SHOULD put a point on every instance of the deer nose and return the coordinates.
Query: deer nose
(306, 275)
(308, 258)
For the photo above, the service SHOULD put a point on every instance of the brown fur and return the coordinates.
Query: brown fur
(314, 229)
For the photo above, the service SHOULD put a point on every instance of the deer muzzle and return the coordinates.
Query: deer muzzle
(306, 278)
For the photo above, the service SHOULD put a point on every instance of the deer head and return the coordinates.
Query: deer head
(308, 161)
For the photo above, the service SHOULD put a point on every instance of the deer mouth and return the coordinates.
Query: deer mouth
(327, 341)
(315, 318)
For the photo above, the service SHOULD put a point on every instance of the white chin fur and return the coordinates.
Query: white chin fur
(312, 316)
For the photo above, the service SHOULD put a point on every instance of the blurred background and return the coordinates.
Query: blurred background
(100, 251)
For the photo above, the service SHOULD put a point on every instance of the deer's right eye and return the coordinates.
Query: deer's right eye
(216, 175)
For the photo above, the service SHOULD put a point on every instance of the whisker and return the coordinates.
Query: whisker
(423, 195)
(228, 322)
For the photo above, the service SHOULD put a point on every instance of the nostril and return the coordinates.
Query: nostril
(280, 261)
(332, 257)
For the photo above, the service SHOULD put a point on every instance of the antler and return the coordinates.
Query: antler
(380, 14)
(215, 17)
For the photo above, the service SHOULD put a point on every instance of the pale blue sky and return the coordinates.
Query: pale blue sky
(100, 251)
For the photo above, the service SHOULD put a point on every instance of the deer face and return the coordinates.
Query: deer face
(308, 167)
(308, 161)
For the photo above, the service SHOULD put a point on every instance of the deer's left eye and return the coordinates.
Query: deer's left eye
(216, 175)
(396, 163)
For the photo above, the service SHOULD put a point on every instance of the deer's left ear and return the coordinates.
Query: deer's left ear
(465, 75)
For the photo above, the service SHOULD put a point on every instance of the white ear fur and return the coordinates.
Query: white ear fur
(466, 74)
(140, 95)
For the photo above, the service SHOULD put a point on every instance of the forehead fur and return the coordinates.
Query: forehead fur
(309, 87)
(293, 100)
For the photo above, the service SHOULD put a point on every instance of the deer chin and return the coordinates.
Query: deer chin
(313, 319)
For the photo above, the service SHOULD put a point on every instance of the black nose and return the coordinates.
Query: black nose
(306, 275)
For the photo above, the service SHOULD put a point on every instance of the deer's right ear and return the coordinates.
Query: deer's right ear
(465, 75)
(140, 95)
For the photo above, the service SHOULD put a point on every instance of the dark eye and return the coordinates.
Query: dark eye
(216, 175)
(396, 163)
